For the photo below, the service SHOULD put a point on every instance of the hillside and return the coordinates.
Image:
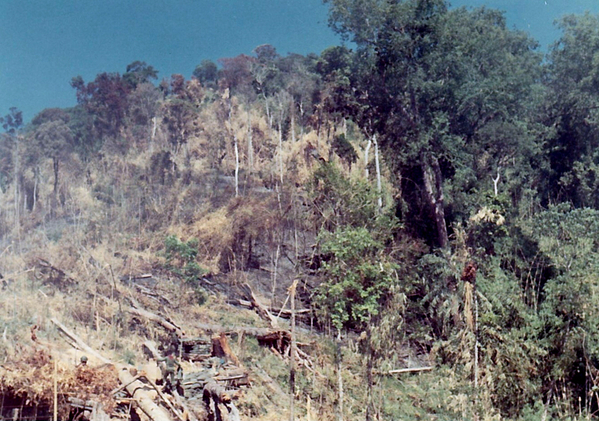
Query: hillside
(424, 204)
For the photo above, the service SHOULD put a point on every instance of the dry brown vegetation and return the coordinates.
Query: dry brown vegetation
(80, 260)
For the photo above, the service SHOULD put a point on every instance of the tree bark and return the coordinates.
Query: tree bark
(433, 187)
(281, 148)
(236, 167)
(135, 388)
(366, 151)
(250, 144)
(155, 318)
(55, 164)
(260, 309)
(339, 377)
(143, 397)
(292, 352)
(221, 348)
(378, 172)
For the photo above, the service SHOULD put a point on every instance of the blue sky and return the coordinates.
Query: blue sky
(44, 43)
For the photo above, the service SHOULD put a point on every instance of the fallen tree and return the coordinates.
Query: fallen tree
(137, 390)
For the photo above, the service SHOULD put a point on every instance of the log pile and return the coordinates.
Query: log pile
(196, 349)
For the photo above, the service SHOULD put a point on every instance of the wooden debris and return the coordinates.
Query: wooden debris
(196, 349)
(142, 396)
(260, 308)
(55, 276)
(221, 348)
(280, 340)
(215, 397)
(167, 324)
(133, 385)
(410, 370)
(82, 345)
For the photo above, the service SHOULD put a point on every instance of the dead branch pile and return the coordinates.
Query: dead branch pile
(31, 374)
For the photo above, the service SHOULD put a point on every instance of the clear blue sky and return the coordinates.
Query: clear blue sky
(44, 43)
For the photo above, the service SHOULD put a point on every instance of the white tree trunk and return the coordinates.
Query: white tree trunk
(154, 127)
(281, 148)
(236, 167)
(293, 139)
(250, 144)
(17, 195)
(378, 172)
(339, 377)
(366, 151)
(301, 107)
(495, 182)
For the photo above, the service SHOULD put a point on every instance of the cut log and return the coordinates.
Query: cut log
(156, 318)
(150, 346)
(260, 308)
(142, 396)
(82, 345)
(221, 348)
(216, 392)
(279, 340)
(410, 370)
(215, 396)
(134, 386)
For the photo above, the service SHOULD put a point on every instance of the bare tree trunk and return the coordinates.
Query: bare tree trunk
(339, 377)
(236, 167)
(366, 151)
(301, 107)
(433, 187)
(495, 183)
(293, 139)
(17, 200)
(250, 144)
(35, 182)
(55, 164)
(274, 275)
(292, 352)
(378, 172)
(154, 127)
(281, 148)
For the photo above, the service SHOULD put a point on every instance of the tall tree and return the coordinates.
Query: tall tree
(572, 111)
(54, 139)
(106, 100)
(430, 81)
(139, 72)
(207, 73)
(12, 124)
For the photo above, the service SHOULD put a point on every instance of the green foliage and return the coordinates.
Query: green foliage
(356, 277)
(206, 72)
(181, 258)
(139, 72)
(338, 202)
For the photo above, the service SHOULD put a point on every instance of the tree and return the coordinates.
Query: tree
(428, 81)
(180, 110)
(266, 53)
(572, 111)
(106, 99)
(139, 72)
(54, 139)
(12, 124)
(207, 73)
(356, 277)
(568, 316)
